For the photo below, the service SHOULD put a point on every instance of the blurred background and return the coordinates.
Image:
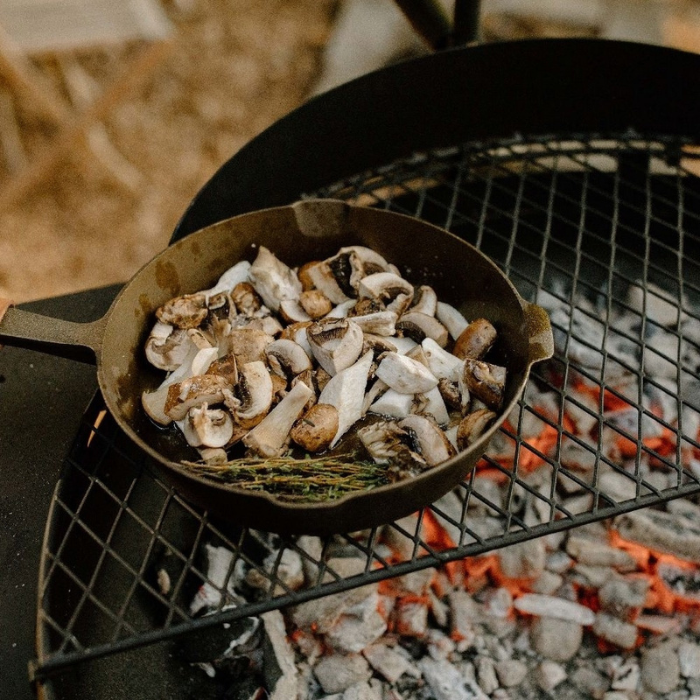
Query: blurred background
(111, 118)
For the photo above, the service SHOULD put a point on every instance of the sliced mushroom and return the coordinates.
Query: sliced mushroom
(225, 367)
(473, 426)
(309, 378)
(233, 276)
(405, 375)
(187, 311)
(247, 344)
(204, 388)
(207, 427)
(442, 364)
(254, 394)
(386, 444)
(346, 391)
(418, 355)
(475, 340)
(392, 403)
(485, 381)
(378, 344)
(323, 278)
(379, 323)
(316, 428)
(369, 260)
(303, 274)
(420, 326)
(270, 435)
(292, 311)
(200, 339)
(273, 280)
(392, 290)
(287, 358)
(154, 401)
(430, 442)
(425, 300)
(335, 343)
(167, 347)
(452, 319)
(449, 390)
(315, 303)
(321, 377)
(246, 299)
(431, 403)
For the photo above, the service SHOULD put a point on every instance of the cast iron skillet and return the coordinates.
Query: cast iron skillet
(299, 233)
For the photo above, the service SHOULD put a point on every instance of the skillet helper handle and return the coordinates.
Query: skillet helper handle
(539, 331)
(75, 341)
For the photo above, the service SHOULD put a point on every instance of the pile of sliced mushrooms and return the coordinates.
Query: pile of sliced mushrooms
(273, 357)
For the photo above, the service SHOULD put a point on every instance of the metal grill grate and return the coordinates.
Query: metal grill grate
(605, 233)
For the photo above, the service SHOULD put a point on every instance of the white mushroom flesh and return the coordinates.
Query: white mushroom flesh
(273, 280)
(346, 391)
(270, 435)
(405, 375)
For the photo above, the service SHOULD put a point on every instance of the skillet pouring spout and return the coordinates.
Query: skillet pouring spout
(309, 230)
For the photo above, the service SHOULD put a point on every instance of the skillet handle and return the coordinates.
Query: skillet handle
(539, 331)
(75, 341)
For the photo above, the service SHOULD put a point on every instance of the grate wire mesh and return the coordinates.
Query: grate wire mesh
(604, 233)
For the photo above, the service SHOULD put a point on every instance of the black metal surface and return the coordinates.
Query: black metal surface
(581, 219)
(552, 86)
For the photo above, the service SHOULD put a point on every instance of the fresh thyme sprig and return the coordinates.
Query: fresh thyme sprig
(295, 479)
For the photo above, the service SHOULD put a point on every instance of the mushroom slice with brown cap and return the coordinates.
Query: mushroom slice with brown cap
(187, 311)
(405, 375)
(386, 444)
(429, 441)
(204, 388)
(225, 367)
(346, 391)
(473, 426)
(270, 435)
(392, 290)
(475, 340)
(207, 427)
(287, 358)
(449, 390)
(323, 277)
(154, 401)
(485, 381)
(167, 347)
(424, 300)
(378, 344)
(335, 343)
(369, 260)
(451, 318)
(292, 311)
(316, 428)
(315, 303)
(254, 394)
(246, 299)
(420, 326)
(273, 280)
